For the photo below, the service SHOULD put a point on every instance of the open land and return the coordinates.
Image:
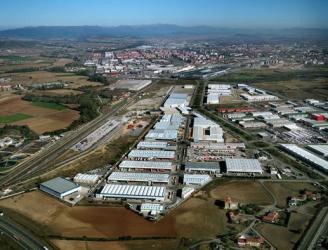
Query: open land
(196, 218)
(42, 119)
(160, 244)
(242, 191)
(283, 190)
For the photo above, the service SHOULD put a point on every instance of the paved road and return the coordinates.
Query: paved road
(318, 228)
(24, 238)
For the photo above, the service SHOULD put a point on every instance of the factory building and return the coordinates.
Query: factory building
(175, 100)
(206, 130)
(152, 209)
(131, 84)
(215, 91)
(186, 192)
(139, 177)
(151, 154)
(196, 179)
(243, 166)
(202, 167)
(259, 98)
(152, 145)
(157, 193)
(321, 149)
(162, 134)
(306, 156)
(146, 165)
(89, 179)
(59, 187)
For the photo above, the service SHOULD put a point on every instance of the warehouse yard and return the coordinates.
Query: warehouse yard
(242, 191)
(196, 218)
(40, 118)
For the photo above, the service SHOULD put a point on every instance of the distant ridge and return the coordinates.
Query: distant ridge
(156, 30)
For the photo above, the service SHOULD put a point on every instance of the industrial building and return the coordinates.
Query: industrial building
(243, 166)
(214, 92)
(59, 187)
(259, 98)
(151, 154)
(306, 156)
(89, 179)
(186, 192)
(175, 100)
(151, 208)
(196, 179)
(146, 165)
(206, 130)
(162, 134)
(139, 177)
(202, 167)
(152, 144)
(321, 149)
(133, 192)
(133, 85)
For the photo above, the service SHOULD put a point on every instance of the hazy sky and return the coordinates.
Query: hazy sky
(225, 13)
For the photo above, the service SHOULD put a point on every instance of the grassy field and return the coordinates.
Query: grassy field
(13, 117)
(8, 244)
(242, 191)
(49, 105)
(282, 190)
(195, 219)
(158, 244)
(41, 119)
(280, 237)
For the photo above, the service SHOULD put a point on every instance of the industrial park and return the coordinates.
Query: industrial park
(163, 136)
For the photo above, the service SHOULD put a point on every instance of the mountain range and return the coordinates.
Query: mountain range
(157, 30)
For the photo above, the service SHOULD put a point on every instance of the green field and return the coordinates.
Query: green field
(49, 105)
(13, 118)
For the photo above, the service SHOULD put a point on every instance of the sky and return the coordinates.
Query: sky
(220, 13)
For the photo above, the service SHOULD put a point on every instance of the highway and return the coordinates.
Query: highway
(43, 159)
(24, 238)
(318, 228)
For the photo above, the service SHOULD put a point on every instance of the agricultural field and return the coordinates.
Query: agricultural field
(242, 191)
(73, 81)
(282, 190)
(196, 218)
(40, 117)
(13, 117)
(280, 237)
(158, 244)
(58, 92)
(49, 105)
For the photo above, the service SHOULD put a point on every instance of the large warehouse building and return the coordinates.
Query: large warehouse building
(139, 177)
(151, 154)
(146, 165)
(203, 167)
(133, 192)
(206, 130)
(306, 156)
(196, 179)
(59, 187)
(162, 134)
(243, 166)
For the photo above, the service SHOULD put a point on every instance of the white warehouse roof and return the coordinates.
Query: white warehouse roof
(152, 144)
(243, 166)
(86, 178)
(146, 207)
(306, 155)
(161, 165)
(161, 134)
(161, 154)
(142, 177)
(320, 148)
(206, 130)
(196, 179)
(133, 192)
